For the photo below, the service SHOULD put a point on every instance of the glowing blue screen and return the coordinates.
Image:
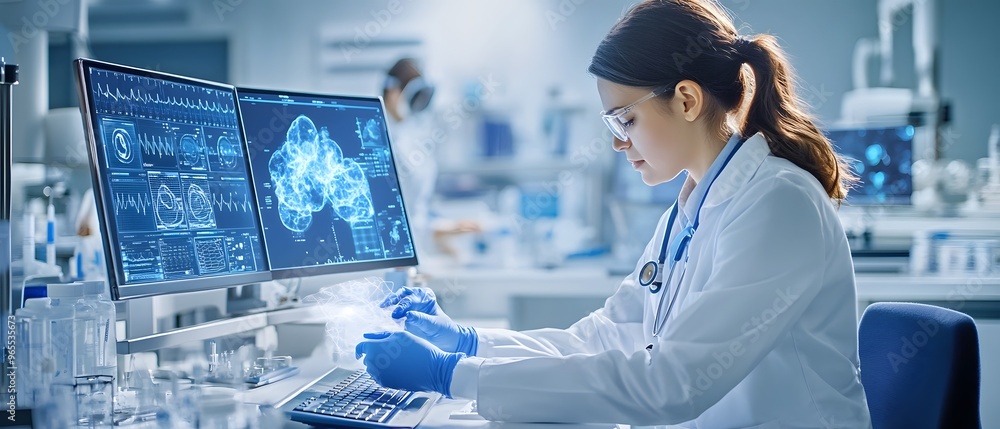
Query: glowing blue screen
(881, 158)
(174, 177)
(326, 183)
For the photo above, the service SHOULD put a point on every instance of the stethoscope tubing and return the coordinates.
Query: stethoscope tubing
(680, 247)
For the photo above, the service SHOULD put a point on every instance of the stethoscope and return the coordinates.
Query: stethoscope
(651, 274)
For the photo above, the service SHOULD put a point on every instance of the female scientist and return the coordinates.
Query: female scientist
(740, 313)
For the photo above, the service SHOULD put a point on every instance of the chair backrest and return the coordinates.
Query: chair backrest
(919, 366)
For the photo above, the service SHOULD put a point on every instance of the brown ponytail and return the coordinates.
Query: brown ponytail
(661, 42)
(776, 112)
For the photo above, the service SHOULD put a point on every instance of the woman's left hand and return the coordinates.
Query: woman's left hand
(401, 360)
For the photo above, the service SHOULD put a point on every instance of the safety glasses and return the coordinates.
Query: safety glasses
(613, 119)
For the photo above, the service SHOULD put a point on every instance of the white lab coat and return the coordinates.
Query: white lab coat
(764, 332)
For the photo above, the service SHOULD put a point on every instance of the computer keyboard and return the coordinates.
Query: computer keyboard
(357, 397)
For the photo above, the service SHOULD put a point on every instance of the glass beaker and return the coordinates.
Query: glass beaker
(94, 400)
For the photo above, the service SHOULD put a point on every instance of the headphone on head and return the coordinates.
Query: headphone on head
(417, 93)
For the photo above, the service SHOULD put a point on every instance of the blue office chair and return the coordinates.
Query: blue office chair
(919, 366)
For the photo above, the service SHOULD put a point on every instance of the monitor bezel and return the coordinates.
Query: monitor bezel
(868, 201)
(316, 270)
(119, 289)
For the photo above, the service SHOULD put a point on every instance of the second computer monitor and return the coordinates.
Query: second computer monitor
(326, 183)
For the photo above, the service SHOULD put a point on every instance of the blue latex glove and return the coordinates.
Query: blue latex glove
(401, 360)
(443, 332)
(426, 319)
(411, 298)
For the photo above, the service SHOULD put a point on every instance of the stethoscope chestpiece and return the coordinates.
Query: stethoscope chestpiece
(651, 276)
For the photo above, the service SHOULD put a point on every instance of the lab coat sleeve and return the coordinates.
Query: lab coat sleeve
(768, 268)
(616, 326)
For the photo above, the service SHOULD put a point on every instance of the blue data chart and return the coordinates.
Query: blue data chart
(134, 207)
(140, 258)
(326, 183)
(240, 249)
(198, 201)
(123, 148)
(174, 176)
(168, 200)
(124, 94)
(211, 253)
(224, 152)
(232, 203)
(190, 144)
(156, 144)
(177, 256)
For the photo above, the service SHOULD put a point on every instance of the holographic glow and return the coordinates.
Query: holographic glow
(309, 171)
(351, 309)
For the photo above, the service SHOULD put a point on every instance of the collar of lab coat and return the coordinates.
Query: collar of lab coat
(740, 170)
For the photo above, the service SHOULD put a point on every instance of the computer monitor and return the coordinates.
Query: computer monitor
(171, 181)
(881, 158)
(326, 182)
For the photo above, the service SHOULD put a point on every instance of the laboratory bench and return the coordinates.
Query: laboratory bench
(524, 298)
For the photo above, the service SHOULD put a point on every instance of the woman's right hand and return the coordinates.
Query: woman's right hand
(411, 299)
(425, 319)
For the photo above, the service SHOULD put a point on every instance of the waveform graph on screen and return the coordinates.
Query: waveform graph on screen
(140, 259)
(178, 257)
(121, 148)
(211, 254)
(133, 205)
(232, 203)
(124, 94)
(168, 201)
(157, 147)
(198, 201)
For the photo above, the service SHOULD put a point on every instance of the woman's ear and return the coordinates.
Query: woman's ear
(688, 100)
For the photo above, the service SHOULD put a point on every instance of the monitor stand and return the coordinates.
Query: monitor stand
(244, 299)
(140, 328)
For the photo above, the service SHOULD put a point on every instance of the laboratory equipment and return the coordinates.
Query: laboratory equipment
(50, 233)
(63, 331)
(94, 400)
(172, 181)
(882, 159)
(35, 349)
(96, 296)
(955, 253)
(267, 370)
(326, 183)
(989, 193)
